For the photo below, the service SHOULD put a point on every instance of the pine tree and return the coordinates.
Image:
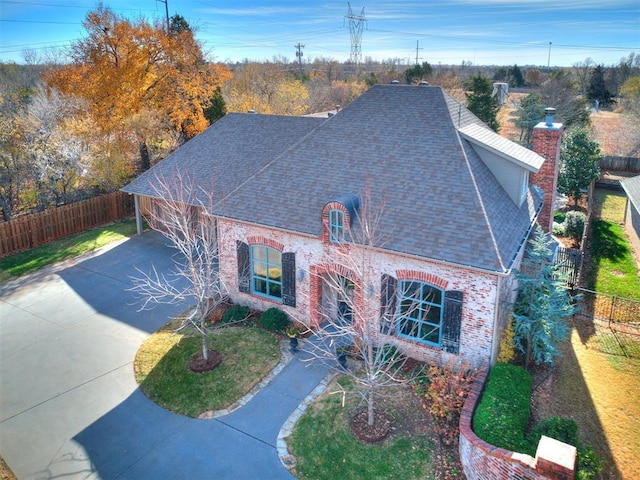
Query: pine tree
(482, 103)
(543, 304)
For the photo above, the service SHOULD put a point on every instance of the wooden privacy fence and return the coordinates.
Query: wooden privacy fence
(27, 232)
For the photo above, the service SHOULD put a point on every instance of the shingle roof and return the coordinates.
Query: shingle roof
(631, 187)
(400, 144)
(490, 140)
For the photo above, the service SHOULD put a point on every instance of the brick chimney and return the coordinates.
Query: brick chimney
(546, 143)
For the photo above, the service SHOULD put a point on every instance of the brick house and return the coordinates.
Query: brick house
(458, 204)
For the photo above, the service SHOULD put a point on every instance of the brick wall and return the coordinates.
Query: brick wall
(313, 257)
(482, 461)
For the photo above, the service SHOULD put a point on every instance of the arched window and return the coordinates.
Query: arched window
(336, 226)
(266, 271)
(420, 314)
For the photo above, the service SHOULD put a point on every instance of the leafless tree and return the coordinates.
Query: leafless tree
(352, 320)
(181, 212)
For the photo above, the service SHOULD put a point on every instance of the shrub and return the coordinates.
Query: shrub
(574, 224)
(558, 229)
(503, 412)
(507, 345)
(562, 429)
(236, 313)
(444, 397)
(559, 216)
(589, 464)
(274, 320)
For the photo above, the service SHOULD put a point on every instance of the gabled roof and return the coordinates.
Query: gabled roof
(491, 141)
(399, 143)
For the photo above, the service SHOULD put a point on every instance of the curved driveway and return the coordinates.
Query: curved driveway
(70, 407)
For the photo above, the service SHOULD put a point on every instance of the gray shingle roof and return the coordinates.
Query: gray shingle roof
(399, 143)
(631, 187)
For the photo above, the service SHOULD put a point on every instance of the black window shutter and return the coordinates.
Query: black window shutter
(452, 321)
(244, 267)
(388, 302)
(289, 279)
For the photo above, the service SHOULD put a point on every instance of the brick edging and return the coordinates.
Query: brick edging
(498, 463)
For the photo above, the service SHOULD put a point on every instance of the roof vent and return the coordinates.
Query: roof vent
(549, 113)
(423, 83)
(395, 82)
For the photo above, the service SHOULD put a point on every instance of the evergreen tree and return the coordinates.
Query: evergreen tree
(481, 101)
(597, 90)
(217, 109)
(529, 114)
(516, 79)
(417, 73)
(543, 304)
(578, 167)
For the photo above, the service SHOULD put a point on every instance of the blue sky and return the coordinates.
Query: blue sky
(483, 32)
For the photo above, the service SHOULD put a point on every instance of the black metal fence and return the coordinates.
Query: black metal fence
(608, 322)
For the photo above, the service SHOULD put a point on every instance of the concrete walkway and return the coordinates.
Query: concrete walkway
(69, 404)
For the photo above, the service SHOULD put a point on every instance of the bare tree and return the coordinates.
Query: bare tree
(352, 321)
(181, 213)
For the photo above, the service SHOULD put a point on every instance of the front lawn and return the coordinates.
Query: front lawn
(162, 368)
(71, 246)
(324, 446)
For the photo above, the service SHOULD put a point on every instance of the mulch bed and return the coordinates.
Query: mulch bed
(198, 364)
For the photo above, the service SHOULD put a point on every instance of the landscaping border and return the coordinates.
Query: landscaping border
(482, 461)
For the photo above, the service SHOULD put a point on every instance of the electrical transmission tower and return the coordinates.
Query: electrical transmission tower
(356, 25)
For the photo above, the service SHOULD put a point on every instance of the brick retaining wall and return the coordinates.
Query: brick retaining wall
(482, 461)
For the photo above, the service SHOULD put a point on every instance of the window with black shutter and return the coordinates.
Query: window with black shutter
(421, 312)
(289, 279)
(244, 267)
(388, 302)
(452, 321)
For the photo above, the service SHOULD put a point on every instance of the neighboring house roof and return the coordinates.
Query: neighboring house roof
(631, 187)
(401, 144)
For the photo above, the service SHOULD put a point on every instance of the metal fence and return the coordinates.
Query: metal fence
(608, 322)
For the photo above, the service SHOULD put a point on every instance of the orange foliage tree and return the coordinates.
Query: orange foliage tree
(123, 69)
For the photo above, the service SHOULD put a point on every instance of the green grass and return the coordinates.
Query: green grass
(324, 447)
(614, 269)
(36, 258)
(162, 368)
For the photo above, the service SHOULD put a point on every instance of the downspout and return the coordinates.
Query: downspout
(495, 341)
(136, 201)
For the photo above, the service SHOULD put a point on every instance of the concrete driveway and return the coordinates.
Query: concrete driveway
(69, 404)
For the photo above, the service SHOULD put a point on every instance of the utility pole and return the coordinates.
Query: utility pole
(356, 24)
(417, 49)
(166, 9)
(299, 55)
(549, 58)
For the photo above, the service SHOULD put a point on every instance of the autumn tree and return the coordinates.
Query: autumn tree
(561, 92)
(578, 163)
(122, 68)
